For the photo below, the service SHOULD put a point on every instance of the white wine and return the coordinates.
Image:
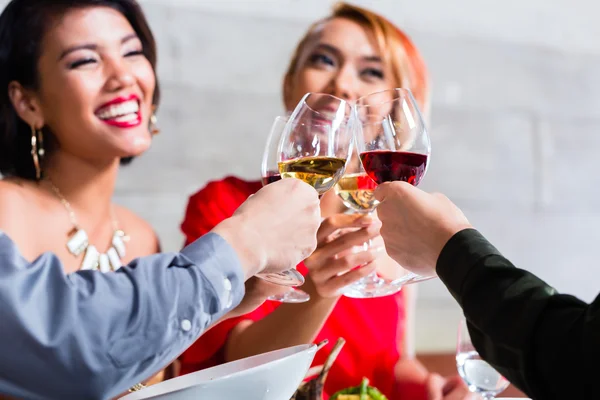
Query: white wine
(319, 172)
(356, 191)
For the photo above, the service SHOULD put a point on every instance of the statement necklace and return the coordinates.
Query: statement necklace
(79, 241)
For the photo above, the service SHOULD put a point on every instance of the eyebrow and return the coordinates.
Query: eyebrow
(92, 46)
(336, 51)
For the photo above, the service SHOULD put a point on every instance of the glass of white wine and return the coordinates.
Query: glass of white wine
(270, 174)
(317, 141)
(314, 147)
(479, 376)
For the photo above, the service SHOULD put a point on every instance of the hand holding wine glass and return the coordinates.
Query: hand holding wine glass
(335, 264)
(286, 209)
(416, 225)
(270, 174)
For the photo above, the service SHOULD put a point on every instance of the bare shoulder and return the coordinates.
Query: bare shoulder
(143, 239)
(12, 191)
(15, 198)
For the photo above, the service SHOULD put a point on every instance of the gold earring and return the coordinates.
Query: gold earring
(154, 123)
(37, 150)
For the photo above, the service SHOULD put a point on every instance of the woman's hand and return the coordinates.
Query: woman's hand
(257, 291)
(449, 388)
(337, 262)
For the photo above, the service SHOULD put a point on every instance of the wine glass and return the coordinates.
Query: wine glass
(314, 147)
(479, 376)
(317, 141)
(270, 174)
(392, 141)
(355, 189)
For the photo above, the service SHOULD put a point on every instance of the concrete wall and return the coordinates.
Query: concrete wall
(515, 121)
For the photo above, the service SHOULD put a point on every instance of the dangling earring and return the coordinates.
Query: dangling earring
(153, 123)
(37, 150)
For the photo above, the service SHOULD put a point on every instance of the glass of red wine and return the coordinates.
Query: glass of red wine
(393, 142)
(270, 174)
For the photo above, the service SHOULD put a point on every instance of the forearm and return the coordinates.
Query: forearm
(288, 325)
(540, 340)
(411, 376)
(102, 333)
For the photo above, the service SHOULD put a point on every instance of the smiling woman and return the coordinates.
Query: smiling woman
(92, 53)
(78, 91)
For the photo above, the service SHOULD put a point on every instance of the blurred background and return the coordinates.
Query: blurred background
(515, 121)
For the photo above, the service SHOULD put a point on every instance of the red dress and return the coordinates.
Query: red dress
(373, 328)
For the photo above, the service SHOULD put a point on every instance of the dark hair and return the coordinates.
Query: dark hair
(23, 24)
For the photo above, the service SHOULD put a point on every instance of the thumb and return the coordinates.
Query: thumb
(435, 386)
(398, 189)
(451, 384)
(455, 389)
(382, 191)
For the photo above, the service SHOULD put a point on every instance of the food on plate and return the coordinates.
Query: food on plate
(360, 392)
(313, 388)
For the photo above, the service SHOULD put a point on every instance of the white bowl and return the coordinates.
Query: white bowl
(271, 376)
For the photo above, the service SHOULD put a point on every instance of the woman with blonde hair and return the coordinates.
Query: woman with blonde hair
(349, 54)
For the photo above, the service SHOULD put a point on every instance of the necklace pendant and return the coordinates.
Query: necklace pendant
(78, 242)
(113, 257)
(125, 237)
(118, 243)
(104, 264)
(90, 260)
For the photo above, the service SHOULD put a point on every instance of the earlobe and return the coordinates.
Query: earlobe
(25, 105)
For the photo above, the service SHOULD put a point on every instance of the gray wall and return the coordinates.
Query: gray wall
(514, 127)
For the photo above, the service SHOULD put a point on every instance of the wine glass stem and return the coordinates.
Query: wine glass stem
(372, 277)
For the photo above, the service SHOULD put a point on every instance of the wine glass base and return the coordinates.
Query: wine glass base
(291, 277)
(292, 296)
(373, 286)
(419, 278)
(370, 293)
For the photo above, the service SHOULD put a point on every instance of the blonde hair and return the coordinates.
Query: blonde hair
(397, 49)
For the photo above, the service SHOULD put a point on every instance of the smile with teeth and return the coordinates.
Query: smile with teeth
(122, 112)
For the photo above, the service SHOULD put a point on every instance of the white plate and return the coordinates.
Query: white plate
(270, 376)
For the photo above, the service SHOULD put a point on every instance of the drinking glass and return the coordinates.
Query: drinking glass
(317, 141)
(270, 174)
(355, 189)
(477, 374)
(314, 147)
(392, 141)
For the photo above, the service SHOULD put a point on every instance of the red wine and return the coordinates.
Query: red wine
(270, 178)
(385, 166)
